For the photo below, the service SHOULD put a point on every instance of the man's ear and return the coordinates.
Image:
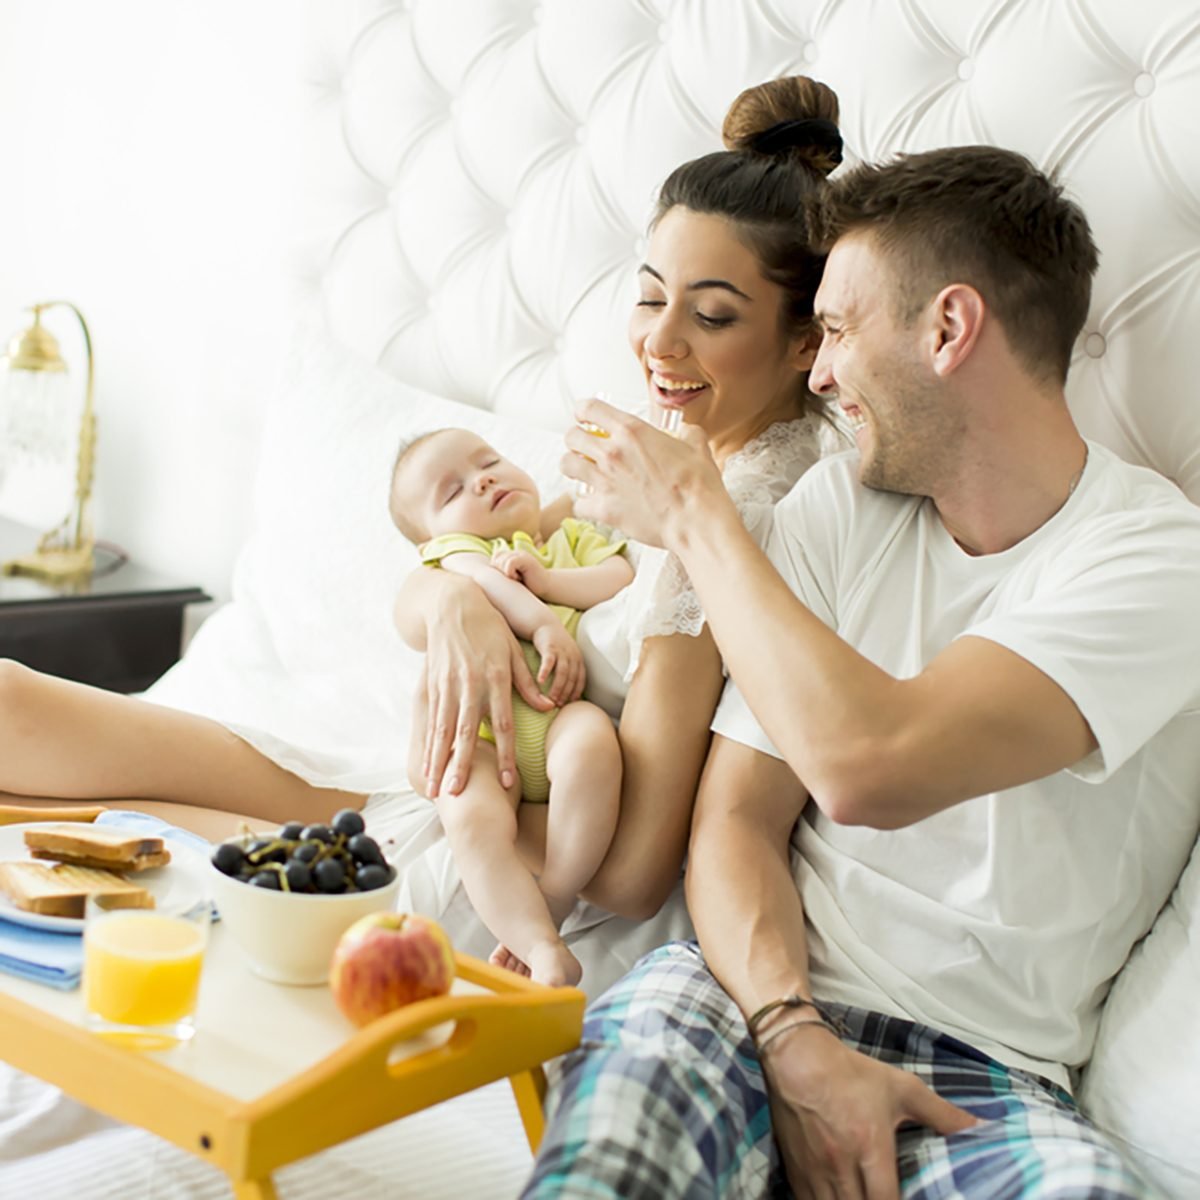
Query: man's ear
(803, 351)
(957, 314)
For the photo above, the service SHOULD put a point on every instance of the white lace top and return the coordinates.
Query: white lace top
(661, 600)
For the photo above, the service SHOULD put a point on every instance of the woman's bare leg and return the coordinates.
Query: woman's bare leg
(67, 741)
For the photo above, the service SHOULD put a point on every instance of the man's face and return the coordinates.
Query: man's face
(879, 371)
(454, 482)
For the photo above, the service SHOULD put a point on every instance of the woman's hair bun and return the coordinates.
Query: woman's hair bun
(794, 116)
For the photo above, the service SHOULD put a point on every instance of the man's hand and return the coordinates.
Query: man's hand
(472, 664)
(562, 658)
(525, 568)
(644, 482)
(835, 1113)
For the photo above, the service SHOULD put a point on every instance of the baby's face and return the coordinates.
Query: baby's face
(454, 482)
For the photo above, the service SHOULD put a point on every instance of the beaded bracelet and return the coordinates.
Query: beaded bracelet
(821, 1024)
(795, 1001)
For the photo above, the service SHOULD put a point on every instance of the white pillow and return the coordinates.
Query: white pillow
(306, 649)
(1142, 1085)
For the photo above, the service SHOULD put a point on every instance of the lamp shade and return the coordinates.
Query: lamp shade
(47, 444)
(35, 349)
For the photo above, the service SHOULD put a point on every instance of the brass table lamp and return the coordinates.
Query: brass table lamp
(65, 552)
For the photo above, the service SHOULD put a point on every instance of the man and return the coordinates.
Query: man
(967, 663)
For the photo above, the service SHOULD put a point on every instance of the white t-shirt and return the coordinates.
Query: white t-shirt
(1003, 919)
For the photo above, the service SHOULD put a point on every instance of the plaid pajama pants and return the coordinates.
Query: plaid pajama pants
(665, 1098)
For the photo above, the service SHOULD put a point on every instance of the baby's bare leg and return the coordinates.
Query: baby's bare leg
(583, 762)
(481, 825)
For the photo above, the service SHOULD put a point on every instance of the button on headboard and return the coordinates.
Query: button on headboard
(490, 183)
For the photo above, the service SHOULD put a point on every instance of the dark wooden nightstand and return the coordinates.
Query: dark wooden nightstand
(118, 630)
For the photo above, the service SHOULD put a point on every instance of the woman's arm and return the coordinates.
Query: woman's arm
(529, 618)
(834, 1110)
(473, 662)
(664, 736)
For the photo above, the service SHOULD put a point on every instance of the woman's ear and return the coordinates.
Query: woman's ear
(803, 351)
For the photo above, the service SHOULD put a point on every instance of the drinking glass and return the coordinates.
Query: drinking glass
(667, 418)
(141, 971)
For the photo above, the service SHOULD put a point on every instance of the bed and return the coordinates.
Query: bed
(478, 179)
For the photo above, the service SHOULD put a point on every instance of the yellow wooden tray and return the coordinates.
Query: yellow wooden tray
(275, 1074)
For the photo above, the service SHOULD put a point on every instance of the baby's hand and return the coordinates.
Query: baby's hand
(524, 567)
(560, 655)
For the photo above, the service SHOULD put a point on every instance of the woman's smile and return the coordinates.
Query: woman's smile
(673, 392)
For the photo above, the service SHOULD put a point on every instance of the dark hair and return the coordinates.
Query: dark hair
(400, 518)
(981, 216)
(781, 141)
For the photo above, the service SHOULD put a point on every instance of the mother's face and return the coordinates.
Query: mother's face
(707, 330)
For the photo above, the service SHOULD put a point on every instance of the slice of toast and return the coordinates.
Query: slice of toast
(88, 846)
(143, 862)
(60, 891)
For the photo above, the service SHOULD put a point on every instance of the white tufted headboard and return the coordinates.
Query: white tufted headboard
(496, 159)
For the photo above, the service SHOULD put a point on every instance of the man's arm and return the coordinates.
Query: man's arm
(834, 1110)
(872, 749)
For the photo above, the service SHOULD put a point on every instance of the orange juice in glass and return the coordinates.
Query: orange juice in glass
(141, 972)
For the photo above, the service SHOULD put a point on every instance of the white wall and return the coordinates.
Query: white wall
(146, 173)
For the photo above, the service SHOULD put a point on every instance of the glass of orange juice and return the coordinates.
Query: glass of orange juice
(141, 971)
(668, 418)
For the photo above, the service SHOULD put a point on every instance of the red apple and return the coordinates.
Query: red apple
(387, 959)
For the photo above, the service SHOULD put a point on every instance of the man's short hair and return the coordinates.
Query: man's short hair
(401, 519)
(981, 216)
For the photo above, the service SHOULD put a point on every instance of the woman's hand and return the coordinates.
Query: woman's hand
(562, 657)
(835, 1113)
(524, 567)
(642, 481)
(472, 664)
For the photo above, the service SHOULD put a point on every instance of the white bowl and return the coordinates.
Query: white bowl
(289, 937)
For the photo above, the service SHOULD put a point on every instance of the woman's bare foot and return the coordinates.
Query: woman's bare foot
(502, 956)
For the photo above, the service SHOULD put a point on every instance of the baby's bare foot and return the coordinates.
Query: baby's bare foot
(554, 965)
(502, 956)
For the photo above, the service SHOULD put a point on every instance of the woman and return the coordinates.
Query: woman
(723, 331)
(733, 355)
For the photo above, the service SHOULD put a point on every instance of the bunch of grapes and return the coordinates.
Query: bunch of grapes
(327, 859)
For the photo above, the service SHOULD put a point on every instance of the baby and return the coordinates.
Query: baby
(473, 512)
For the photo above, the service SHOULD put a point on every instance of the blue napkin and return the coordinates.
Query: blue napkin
(38, 954)
(151, 826)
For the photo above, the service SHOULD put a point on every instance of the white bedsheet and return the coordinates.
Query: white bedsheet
(470, 1148)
